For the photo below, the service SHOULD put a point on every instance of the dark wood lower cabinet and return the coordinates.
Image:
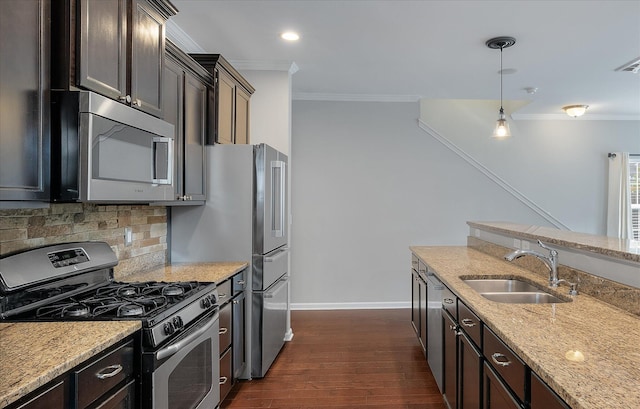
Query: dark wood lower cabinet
(470, 374)
(54, 397)
(495, 393)
(450, 360)
(542, 397)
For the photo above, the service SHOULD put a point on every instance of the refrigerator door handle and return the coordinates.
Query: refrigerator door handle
(278, 181)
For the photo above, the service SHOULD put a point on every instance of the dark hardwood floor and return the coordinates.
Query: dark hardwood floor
(345, 359)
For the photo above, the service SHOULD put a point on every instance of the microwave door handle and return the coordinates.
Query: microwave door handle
(159, 158)
(278, 202)
(174, 348)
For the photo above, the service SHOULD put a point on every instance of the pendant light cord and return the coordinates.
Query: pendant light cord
(501, 47)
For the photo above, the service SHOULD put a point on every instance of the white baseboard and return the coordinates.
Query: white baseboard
(351, 305)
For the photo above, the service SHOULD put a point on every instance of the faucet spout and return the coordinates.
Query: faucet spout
(551, 261)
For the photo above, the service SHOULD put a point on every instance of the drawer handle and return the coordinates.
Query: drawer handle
(223, 380)
(222, 331)
(241, 282)
(500, 359)
(222, 295)
(235, 302)
(448, 301)
(467, 322)
(113, 370)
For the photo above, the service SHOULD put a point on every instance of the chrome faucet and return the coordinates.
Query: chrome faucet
(550, 261)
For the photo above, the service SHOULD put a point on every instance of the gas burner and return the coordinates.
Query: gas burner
(126, 291)
(172, 291)
(76, 310)
(130, 310)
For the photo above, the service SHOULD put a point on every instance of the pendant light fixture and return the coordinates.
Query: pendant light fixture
(502, 126)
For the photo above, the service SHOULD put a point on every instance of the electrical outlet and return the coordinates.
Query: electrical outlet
(477, 232)
(128, 236)
(526, 245)
(516, 243)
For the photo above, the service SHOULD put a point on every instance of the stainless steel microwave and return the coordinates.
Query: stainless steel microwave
(105, 151)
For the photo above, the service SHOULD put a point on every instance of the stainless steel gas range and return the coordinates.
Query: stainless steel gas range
(74, 281)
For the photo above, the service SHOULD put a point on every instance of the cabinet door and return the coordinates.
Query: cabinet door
(195, 116)
(415, 302)
(147, 56)
(102, 38)
(242, 117)
(450, 360)
(54, 397)
(470, 374)
(24, 97)
(423, 315)
(542, 397)
(239, 339)
(226, 102)
(172, 94)
(495, 393)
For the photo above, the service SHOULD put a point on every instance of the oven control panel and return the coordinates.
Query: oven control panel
(66, 258)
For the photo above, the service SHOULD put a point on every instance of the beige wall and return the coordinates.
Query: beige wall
(28, 228)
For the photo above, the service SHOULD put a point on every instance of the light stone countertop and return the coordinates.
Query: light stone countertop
(609, 246)
(32, 354)
(542, 334)
(206, 272)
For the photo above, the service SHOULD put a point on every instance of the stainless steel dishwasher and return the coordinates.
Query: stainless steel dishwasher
(434, 327)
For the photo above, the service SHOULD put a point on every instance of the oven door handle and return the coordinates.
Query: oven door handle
(172, 349)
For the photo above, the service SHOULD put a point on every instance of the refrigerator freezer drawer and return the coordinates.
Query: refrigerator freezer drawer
(268, 268)
(269, 325)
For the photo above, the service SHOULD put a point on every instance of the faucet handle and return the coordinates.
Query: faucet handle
(553, 252)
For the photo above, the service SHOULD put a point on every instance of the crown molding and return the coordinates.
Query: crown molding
(565, 117)
(262, 65)
(313, 96)
(182, 39)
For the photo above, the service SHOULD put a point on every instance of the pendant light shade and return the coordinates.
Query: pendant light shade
(502, 126)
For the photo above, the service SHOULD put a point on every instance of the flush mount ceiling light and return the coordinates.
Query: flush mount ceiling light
(502, 126)
(290, 36)
(575, 110)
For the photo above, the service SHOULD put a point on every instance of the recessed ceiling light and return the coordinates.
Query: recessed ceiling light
(290, 36)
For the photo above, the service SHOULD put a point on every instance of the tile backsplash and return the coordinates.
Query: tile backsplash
(64, 222)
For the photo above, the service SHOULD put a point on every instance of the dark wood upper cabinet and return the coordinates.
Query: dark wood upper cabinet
(186, 89)
(112, 47)
(230, 103)
(24, 97)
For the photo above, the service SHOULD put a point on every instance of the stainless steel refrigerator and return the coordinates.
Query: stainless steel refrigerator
(244, 218)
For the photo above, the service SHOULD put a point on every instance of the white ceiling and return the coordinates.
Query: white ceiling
(404, 50)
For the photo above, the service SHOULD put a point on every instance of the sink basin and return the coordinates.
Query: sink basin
(512, 291)
(523, 298)
(500, 285)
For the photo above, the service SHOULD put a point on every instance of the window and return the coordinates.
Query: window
(634, 189)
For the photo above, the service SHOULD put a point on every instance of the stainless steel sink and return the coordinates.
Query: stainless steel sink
(512, 291)
(523, 298)
(501, 285)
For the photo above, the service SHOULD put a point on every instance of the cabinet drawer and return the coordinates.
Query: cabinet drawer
(449, 303)
(239, 283)
(505, 362)
(224, 292)
(225, 327)
(226, 380)
(542, 397)
(122, 399)
(98, 377)
(470, 323)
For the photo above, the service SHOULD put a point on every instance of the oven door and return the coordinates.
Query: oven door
(185, 372)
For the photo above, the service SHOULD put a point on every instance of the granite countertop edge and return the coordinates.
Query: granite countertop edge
(543, 334)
